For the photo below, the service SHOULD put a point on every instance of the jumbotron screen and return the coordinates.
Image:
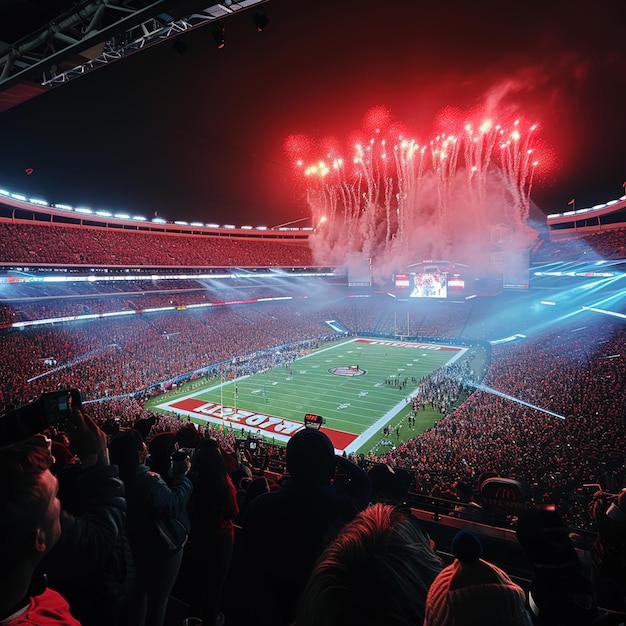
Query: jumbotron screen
(429, 285)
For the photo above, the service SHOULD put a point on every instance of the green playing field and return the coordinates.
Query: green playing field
(358, 386)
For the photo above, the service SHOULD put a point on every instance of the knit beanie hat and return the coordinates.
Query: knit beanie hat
(473, 592)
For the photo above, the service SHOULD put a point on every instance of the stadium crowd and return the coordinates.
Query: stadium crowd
(114, 551)
(74, 245)
(608, 244)
(559, 372)
(170, 295)
(135, 487)
(576, 440)
(100, 357)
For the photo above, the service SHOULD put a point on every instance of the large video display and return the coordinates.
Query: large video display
(429, 285)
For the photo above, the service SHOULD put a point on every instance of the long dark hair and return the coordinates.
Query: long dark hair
(211, 496)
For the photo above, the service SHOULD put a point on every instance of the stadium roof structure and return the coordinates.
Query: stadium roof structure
(15, 206)
(47, 43)
(611, 214)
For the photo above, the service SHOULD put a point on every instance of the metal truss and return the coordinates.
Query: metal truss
(98, 32)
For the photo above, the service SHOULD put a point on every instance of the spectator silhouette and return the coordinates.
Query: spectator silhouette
(387, 485)
(212, 508)
(285, 531)
(609, 549)
(161, 447)
(560, 594)
(157, 525)
(251, 488)
(91, 565)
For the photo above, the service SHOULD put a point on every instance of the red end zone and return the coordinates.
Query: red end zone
(268, 425)
(409, 344)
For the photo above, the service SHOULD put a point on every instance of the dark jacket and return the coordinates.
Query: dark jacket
(152, 500)
(91, 565)
(285, 531)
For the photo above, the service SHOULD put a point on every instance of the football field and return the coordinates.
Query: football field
(357, 385)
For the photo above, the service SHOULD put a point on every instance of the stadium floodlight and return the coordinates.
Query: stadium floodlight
(104, 214)
(139, 218)
(261, 227)
(83, 210)
(18, 196)
(63, 207)
(122, 216)
(181, 223)
(158, 220)
(246, 228)
(38, 202)
(229, 226)
(212, 225)
(4, 192)
(200, 224)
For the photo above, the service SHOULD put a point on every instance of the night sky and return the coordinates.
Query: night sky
(200, 135)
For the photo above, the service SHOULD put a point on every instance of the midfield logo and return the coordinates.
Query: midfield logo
(352, 370)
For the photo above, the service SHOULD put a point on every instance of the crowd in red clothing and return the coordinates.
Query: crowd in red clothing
(549, 412)
(70, 245)
(580, 379)
(579, 376)
(120, 356)
(116, 356)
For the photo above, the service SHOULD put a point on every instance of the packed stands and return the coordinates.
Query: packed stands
(608, 244)
(76, 245)
(575, 368)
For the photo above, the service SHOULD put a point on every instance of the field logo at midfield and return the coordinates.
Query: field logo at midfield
(352, 370)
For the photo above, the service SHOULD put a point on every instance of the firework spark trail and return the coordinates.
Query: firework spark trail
(81, 359)
(478, 151)
(410, 168)
(431, 200)
(518, 168)
(445, 151)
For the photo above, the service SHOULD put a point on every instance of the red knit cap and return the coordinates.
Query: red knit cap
(473, 592)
